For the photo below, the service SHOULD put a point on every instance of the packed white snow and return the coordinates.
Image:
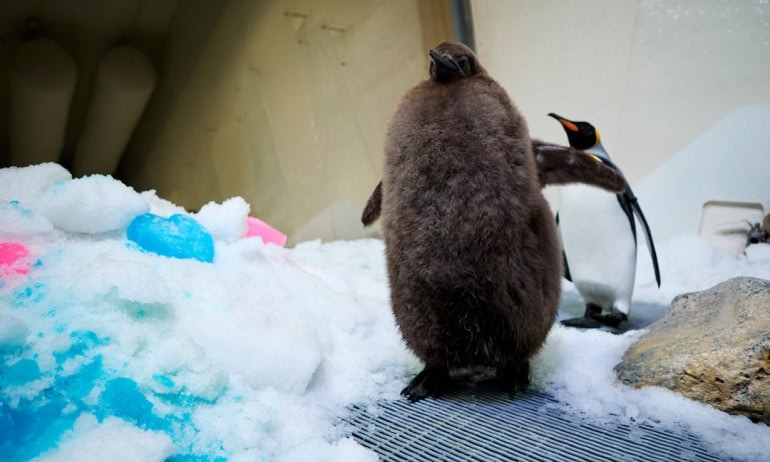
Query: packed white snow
(111, 352)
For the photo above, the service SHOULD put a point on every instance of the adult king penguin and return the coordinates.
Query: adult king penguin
(598, 237)
(472, 251)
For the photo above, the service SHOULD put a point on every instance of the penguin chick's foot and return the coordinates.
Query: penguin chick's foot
(513, 378)
(432, 381)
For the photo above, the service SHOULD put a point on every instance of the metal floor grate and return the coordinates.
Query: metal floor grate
(482, 424)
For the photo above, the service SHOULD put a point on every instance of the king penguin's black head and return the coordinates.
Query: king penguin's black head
(581, 135)
(452, 60)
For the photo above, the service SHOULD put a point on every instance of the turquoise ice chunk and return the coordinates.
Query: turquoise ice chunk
(177, 236)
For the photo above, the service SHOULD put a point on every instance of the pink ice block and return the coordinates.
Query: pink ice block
(13, 258)
(257, 227)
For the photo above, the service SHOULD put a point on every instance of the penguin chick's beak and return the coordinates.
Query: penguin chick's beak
(568, 124)
(442, 62)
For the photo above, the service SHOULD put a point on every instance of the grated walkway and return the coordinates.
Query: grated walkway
(482, 424)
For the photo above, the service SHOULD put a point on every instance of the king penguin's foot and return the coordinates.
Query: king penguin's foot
(613, 319)
(594, 319)
(432, 381)
(582, 323)
(514, 377)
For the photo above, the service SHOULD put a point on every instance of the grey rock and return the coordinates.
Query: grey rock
(712, 346)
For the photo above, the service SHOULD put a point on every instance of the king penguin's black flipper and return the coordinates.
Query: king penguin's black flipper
(373, 206)
(625, 201)
(647, 233)
(631, 206)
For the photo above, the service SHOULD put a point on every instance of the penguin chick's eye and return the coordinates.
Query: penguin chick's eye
(465, 64)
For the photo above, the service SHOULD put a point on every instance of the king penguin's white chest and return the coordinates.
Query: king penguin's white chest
(599, 245)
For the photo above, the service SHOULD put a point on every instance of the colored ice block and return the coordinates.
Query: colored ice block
(257, 227)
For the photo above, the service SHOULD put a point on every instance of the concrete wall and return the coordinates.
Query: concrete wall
(282, 102)
(287, 107)
(651, 75)
(86, 29)
(286, 102)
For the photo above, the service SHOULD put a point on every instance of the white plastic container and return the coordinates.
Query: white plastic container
(725, 224)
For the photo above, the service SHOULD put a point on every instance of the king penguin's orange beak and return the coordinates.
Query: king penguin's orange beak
(569, 125)
(565, 123)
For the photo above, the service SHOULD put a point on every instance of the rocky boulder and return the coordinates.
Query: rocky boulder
(712, 346)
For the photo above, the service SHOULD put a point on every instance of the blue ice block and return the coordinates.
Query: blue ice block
(177, 236)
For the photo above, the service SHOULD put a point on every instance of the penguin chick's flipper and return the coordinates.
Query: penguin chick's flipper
(373, 206)
(558, 165)
(432, 381)
(555, 165)
(513, 378)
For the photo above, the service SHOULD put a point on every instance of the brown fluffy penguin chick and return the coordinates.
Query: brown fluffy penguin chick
(473, 256)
